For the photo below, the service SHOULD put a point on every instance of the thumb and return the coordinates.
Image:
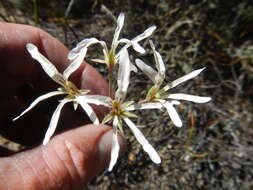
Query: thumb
(68, 161)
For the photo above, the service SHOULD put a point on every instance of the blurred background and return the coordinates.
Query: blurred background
(214, 148)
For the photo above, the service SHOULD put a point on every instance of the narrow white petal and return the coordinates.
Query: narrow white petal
(188, 97)
(54, 120)
(138, 38)
(138, 48)
(95, 99)
(75, 105)
(159, 63)
(145, 34)
(120, 20)
(104, 46)
(133, 68)
(151, 105)
(88, 109)
(115, 145)
(143, 141)
(39, 99)
(149, 71)
(173, 114)
(75, 64)
(174, 102)
(99, 61)
(125, 41)
(114, 151)
(85, 43)
(73, 54)
(120, 23)
(123, 75)
(183, 79)
(47, 66)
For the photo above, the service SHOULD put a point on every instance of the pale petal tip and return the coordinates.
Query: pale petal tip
(175, 102)
(96, 122)
(137, 61)
(138, 48)
(202, 100)
(15, 118)
(114, 151)
(110, 167)
(133, 68)
(30, 47)
(200, 70)
(45, 141)
(71, 55)
(152, 44)
(148, 31)
(151, 29)
(154, 156)
(157, 160)
(120, 20)
(178, 124)
(121, 16)
(207, 99)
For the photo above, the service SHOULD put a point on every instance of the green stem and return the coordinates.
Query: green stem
(110, 81)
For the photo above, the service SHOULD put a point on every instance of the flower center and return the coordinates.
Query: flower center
(71, 89)
(116, 108)
(152, 95)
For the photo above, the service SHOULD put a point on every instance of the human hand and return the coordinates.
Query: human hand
(71, 158)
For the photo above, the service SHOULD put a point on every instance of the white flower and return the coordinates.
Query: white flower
(110, 55)
(73, 94)
(158, 97)
(119, 113)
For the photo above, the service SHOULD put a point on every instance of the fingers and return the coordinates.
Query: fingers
(16, 64)
(67, 162)
(18, 67)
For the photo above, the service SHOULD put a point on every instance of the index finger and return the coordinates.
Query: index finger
(17, 66)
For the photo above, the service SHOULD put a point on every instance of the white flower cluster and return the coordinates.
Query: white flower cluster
(157, 96)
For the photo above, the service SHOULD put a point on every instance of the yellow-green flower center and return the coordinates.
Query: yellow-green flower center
(116, 108)
(71, 88)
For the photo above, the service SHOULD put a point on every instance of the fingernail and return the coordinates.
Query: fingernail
(104, 147)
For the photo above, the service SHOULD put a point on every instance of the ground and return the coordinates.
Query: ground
(214, 148)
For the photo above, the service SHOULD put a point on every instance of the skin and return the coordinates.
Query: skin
(79, 150)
